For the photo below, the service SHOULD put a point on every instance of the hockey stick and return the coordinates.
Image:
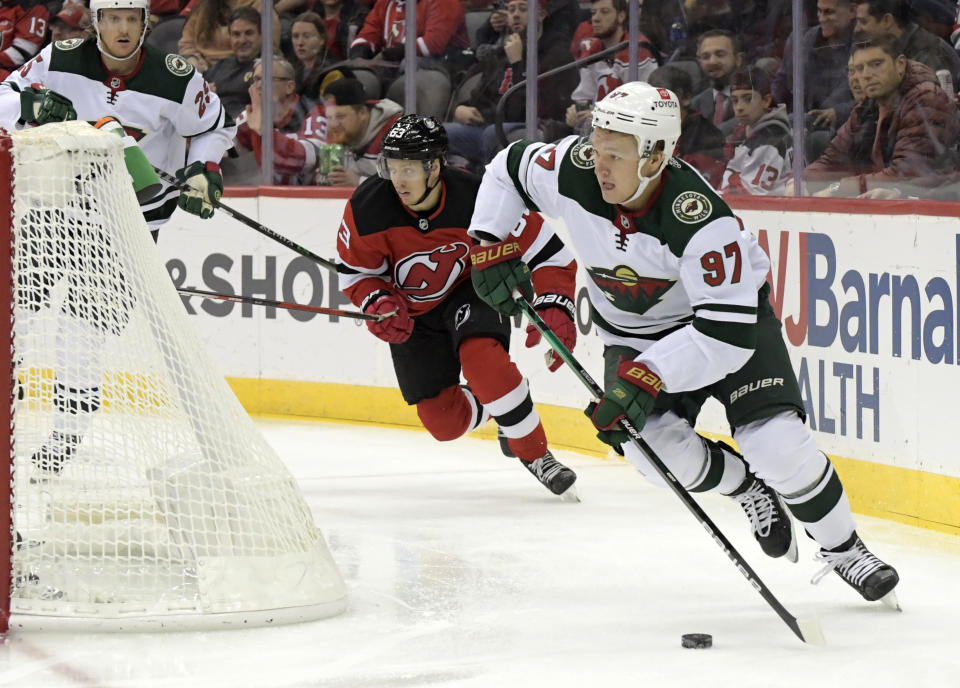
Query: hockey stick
(808, 630)
(256, 301)
(253, 224)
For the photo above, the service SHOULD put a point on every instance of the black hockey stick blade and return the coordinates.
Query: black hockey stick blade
(253, 224)
(807, 630)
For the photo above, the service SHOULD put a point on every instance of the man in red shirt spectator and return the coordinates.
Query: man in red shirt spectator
(440, 28)
(299, 129)
(22, 34)
(441, 37)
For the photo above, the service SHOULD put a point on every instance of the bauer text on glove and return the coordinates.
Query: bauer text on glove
(557, 312)
(630, 397)
(496, 271)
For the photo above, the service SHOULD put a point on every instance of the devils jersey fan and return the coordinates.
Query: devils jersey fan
(22, 33)
(404, 256)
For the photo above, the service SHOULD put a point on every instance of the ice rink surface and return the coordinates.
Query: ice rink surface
(463, 571)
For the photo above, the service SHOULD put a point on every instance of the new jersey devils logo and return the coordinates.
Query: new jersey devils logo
(427, 276)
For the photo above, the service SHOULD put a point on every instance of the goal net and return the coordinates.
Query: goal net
(141, 494)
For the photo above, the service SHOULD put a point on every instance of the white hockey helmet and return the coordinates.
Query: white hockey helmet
(97, 5)
(647, 113)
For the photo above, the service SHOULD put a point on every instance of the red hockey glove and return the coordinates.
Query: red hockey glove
(395, 329)
(557, 311)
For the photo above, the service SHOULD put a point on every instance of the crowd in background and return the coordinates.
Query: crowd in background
(878, 97)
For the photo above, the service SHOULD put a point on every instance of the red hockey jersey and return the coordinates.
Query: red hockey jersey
(22, 34)
(440, 26)
(382, 244)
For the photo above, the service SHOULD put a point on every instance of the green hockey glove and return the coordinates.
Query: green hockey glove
(40, 105)
(630, 397)
(497, 270)
(205, 188)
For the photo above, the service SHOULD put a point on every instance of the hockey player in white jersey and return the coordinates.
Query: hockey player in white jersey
(160, 99)
(678, 295)
(161, 102)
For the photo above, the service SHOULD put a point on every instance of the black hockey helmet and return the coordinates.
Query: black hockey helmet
(413, 137)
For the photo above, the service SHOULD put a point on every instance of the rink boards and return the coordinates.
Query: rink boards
(870, 303)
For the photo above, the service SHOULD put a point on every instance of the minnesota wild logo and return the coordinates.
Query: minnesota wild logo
(691, 207)
(627, 291)
(582, 155)
(178, 65)
(69, 43)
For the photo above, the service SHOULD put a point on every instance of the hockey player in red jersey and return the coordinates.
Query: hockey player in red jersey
(403, 249)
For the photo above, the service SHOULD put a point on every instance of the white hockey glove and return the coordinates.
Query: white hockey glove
(205, 188)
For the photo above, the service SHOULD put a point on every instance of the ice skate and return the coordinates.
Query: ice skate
(769, 519)
(551, 473)
(54, 455)
(862, 570)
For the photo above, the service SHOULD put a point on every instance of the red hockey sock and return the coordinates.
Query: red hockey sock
(447, 415)
(498, 384)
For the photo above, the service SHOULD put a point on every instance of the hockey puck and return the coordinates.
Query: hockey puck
(697, 641)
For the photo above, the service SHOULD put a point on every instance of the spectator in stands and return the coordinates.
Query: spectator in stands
(562, 19)
(206, 35)
(309, 36)
(472, 134)
(906, 128)
(231, 76)
(440, 29)
(826, 51)
(342, 19)
(608, 23)
(358, 124)
(440, 43)
(700, 143)
(72, 21)
(760, 149)
(299, 128)
(22, 33)
(720, 54)
(853, 80)
(891, 17)
(491, 33)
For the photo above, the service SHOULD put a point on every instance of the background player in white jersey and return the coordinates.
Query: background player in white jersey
(403, 249)
(679, 296)
(161, 102)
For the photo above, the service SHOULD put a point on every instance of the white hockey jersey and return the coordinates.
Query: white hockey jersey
(762, 160)
(161, 104)
(677, 281)
(600, 78)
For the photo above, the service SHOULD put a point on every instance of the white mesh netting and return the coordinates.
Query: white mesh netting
(143, 495)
